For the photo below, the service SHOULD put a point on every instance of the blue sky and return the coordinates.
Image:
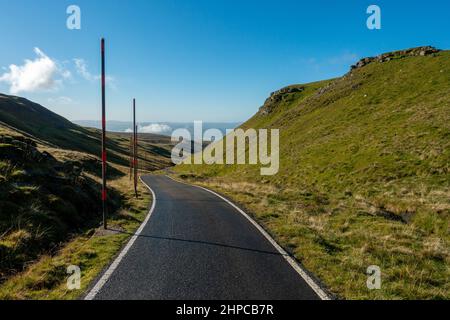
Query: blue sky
(210, 60)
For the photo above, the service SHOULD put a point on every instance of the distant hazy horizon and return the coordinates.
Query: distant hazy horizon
(156, 127)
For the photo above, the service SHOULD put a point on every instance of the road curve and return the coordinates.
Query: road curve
(196, 246)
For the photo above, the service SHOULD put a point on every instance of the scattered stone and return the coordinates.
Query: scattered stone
(322, 90)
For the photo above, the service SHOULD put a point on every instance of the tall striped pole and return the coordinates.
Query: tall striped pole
(105, 226)
(135, 147)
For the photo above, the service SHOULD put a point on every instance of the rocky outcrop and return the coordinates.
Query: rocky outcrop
(278, 96)
(386, 57)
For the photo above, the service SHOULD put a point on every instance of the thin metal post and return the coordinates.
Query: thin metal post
(135, 148)
(104, 196)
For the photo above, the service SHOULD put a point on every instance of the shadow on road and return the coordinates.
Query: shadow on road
(200, 242)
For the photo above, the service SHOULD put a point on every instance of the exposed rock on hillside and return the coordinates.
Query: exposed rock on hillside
(281, 95)
(277, 96)
(386, 57)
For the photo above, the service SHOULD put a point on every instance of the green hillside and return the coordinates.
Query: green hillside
(50, 182)
(51, 129)
(364, 176)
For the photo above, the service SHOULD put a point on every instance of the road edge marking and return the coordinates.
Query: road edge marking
(105, 277)
(294, 264)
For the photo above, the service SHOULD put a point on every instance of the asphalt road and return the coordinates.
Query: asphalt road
(196, 246)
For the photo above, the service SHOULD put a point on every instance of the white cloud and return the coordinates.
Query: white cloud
(82, 69)
(155, 128)
(152, 128)
(34, 75)
(66, 74)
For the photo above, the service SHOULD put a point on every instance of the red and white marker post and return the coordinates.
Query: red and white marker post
(104, 196)
(135, 148)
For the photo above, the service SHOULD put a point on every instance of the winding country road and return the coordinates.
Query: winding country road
(195, 245)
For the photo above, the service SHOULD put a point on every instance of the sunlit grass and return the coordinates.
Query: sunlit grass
(364, 179)
(92, 251)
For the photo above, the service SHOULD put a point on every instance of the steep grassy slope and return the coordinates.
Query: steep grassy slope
(364, 176)
(43, 199)
(41, 123)
(50, 216)
(50, 129)
(50, 191)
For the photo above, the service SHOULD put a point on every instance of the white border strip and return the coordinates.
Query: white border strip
(317, 289)
(99, 285)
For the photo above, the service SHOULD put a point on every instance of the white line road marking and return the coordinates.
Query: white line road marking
(298, 268)
(99, 285)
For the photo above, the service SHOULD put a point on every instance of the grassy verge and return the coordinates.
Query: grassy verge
(46, 278)
(341, 240)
